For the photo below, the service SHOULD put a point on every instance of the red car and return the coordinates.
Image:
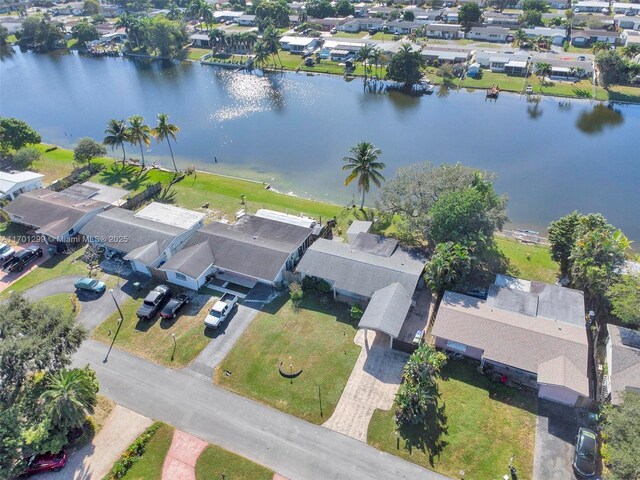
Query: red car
(48, 462)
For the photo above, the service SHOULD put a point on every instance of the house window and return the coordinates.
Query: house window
(180, 276)
(459, 347)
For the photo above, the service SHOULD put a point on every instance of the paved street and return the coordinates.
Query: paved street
(297, 449)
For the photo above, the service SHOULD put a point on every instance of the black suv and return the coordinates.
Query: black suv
(22, 258)
(153, 302)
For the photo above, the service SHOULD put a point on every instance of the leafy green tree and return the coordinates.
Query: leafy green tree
(87, 149)
(408, 16)
(500, 5)
(35, 336)
(621, 436)
(275, 11)
(320, 9)
(536, 5)
(630, 51)
(598, 47)
(41, 31)
(163, 36)
(200, 10)
(116, 135)
(25, 157)
(531, 18)
(4, 35)
(469, 13)
(448, 267)
(562, 236)
(85, 32)
(612, 70)
(139, 134)
(363, 164)
(344, 8)
(70, 396)
(15, 134)
(166, 131)
(624, 297)
(91, 7)
(406, 66)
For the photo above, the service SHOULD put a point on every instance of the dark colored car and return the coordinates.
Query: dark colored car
(373, 31)
(22, 258)
(90, 285)
(153, 302)
(174, 305)
(49, 462)
(584, 460)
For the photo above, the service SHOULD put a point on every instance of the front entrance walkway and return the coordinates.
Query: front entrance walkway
(180, 462)
(373, 384)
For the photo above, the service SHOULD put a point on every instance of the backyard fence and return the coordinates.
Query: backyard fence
(77, 175)
(135, 201)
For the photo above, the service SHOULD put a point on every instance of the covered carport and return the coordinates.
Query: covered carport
(387, 311)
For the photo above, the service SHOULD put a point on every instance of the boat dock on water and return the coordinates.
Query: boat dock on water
(493, 92)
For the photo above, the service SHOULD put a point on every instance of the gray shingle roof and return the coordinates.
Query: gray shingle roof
(625, 361)
(533, 344)
(253, 246)
(359, 272)
(387, 310)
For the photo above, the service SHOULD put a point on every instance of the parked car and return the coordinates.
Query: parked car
(22, 258)
(582, 58)
(333, 30)
(153, 302)
(584, 459)
(174, 305)
(373, 31)
(220, 310)
(6, 251)
(49, 462)
(90, 285)
(308, 62)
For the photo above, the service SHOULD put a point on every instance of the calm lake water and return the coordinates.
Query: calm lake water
(292, 130)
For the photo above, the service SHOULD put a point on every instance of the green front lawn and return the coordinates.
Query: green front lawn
(317, 338)
(54, 267)
(214, 462)
(531, 262)
(194, 53)
(479, 426)
(349, 34)
(62, 300)
(149, 465)
(152, 339)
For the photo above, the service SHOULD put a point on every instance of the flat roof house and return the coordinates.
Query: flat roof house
(399, 27)
(623, 361)
(502, 19)
(443, 30)
(14, 183)
(531, 332)
(557, 35)
(257, 248)
(58, 216)
(489, 34)
(147, 238)
(200, 40)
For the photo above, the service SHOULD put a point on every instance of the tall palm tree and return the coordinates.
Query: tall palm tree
(70, 395)
(271, 38)
(600, 47)
(543, 69)
(631, 51)
(116, 135)
(201, 10)
(519, 37)
(364, 55)
(216, 37)
(139, 134)
(166, 131)
(363, 165)
(376, 56)
(261, 54)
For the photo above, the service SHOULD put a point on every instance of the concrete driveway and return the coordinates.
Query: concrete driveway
(373, 384)
(556, 430)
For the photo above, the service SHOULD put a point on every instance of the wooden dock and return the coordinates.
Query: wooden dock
(493, 92)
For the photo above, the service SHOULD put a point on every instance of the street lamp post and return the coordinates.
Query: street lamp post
(120, 320)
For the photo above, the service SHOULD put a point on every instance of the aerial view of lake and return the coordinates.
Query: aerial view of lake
(292, 130)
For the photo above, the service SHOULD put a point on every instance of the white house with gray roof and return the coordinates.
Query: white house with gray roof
(147, 238)
(13, 184)
(531, 332)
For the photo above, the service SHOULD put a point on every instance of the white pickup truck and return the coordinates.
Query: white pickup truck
(220, 310)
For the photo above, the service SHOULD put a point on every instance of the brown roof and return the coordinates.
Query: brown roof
(556, 351)
(625, 361)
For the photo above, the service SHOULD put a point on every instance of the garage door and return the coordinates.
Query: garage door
(558, 394)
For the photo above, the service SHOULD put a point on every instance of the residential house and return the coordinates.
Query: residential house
(531, 332)
(339, 51)
(247, 20)
(362, 24)
(59, 216)
(13, 184)
(591, 6)
(630, 37)
(510, 63)
(628, 23)
(623, 362)
(450, 15)
(624, 7)
(445, 55)
(226, 15)
(327, 23)
(443, 30)
(489, 34)
(557, 35)
(381, 11)
(300, 45)
(429, 16)
(147, 238)
(585, 38)
(508, 20)
(399, 27)
(201, 40)
(255, 249)
(560, 4)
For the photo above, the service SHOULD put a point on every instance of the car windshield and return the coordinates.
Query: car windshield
(92, 283)
(214, 313)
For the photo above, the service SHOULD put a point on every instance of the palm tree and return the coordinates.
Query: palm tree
(599, 47)
(116, 135)
(631, 50)
(302, 16)
(543, 69)
(364, 55)
(139, 134)
(201, 10)
(70, 396)
(364, 166)
(216, 37)
(261, 54)
(271, 39)
(519, 37)
(376, 56)
(166, 131)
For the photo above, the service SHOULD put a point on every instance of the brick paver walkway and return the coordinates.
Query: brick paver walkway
(181, 459)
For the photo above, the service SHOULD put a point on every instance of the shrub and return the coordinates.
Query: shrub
(309, 283)
(24, 157)
(356, 312)
(323, 286)
(295, 293)
(132, 454)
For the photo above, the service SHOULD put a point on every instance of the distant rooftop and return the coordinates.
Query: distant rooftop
(170, 215)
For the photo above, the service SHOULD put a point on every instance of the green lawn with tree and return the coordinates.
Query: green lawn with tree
(531, 262)
(316, 337)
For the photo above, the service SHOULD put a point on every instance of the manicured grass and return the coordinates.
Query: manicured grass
(196, 53)
(149, 466)
(152, 339)
(385, 37)
(350, 35)
(317, 337)
(296, 62)
(624, 93)
(54, 267)
(102, 411)
(62, 300)
(531, 262)
(54, 164)
(11, 233)
(479, 426)
(214, 462)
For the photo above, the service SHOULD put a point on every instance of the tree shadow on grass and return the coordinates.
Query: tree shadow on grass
(167, 195)
(491, 262)
(126, 176)
(426, 437)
